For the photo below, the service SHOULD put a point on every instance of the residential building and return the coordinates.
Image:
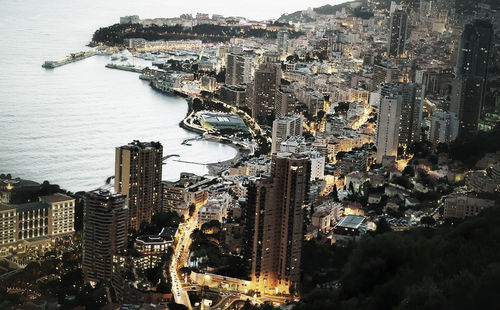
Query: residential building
(282, 42)
(461, 206)
(443, 127)
(397, 33)
(388, 117)
(285, 102)
(104, 233)
(284, 127)
(349, 228)
(238, 69)
(138, 172)
(275, 206)
(469, 87)
(266, 83)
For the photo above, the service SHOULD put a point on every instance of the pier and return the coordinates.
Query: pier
(73, 57)
(130, 68)
(168, 156)
(186, 142)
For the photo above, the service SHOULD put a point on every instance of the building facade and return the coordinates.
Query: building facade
(35, 225)
(276, 205)
(469, 87)
(266, 83)
(104, 233)
(389, 113)
(138, 172)
(397, 37)
(284, 127)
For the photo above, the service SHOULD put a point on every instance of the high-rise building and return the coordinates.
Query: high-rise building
(284, 127)
(104, 233)
(397, 35)
(138, 172)
(238, 69)
(267, 81)
(277, 206)
(413, 96)
(334, 49)
(389, 113)
(282, 42)
(384, 73)
(443, 127)
(285, 102)
(469, 87)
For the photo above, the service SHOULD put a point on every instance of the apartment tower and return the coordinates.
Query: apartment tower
(138, 172)
(104, 233)
(276, 204)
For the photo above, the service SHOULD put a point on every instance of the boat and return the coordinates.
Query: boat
(115, 57)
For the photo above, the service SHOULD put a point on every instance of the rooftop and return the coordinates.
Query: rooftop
(6, 207)
(30, 206)
(351, 221)
(57, 197)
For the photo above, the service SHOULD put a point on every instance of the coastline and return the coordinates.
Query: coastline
(214, 168)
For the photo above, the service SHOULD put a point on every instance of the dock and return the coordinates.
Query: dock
(73, 57)
(130, 68)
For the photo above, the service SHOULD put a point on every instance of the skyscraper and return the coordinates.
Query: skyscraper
(469, 87)
(411, 113)
(238, 69)
(104, 233)
(397, 33)
(284, 127)
(388, 116)
(285, 101)
(277, 204)
(267, 81)
(138, 172)
(282, 42)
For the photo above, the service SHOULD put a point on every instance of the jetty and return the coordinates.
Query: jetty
(73, 57)
(130, 68)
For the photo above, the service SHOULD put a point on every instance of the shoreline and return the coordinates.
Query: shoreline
(214, 168)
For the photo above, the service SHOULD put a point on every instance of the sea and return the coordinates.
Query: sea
(63, 125)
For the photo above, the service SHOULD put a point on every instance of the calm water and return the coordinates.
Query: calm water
(62, 125)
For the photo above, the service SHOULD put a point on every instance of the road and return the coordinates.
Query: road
(180, 259)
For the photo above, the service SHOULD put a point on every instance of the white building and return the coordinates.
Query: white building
(443, 127)
(294, 144)
(284, 127)
(317, 165)
(388, 117)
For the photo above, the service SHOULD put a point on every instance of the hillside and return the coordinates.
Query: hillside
(452, 267)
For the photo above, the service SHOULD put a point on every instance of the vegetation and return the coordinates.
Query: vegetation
(115, 34)
(451, 267)
(321, 264)
(206, 246)
(470, 151)
(209, 105)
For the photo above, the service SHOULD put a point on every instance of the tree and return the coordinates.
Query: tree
(192, 208)
(383, 226)
(175, 306)
(428, 221)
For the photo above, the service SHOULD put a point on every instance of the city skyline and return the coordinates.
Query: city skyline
(186, 161)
